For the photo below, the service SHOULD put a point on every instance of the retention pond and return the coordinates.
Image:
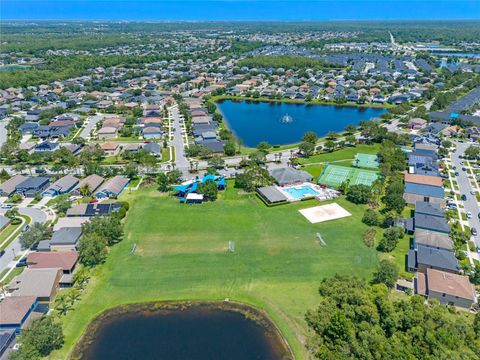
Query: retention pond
(205, 331)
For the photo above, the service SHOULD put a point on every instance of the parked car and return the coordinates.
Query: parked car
(7, 206)
(456, 173)
(2, 252)
(26, 228)
(22, 263)
(472, 192)
(464, 197)
(40, 171)
(474, 232)
(469, 214)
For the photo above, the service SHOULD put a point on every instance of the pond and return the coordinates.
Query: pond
(197, 332)
(458, 54)
(14, 67)
(281, 123)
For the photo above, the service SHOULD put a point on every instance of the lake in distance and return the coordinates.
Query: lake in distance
(195, 333)
(254, 122)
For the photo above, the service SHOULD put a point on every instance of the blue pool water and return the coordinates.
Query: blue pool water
(300, 192)
(254, 122)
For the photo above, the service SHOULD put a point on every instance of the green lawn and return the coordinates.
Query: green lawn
(347, 153)
(11, 229)
(344, 157)
(182, 254)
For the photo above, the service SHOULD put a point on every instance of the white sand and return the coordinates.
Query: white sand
(322, 213)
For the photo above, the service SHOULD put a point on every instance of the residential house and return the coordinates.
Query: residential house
(32, 185)
(417, 124)
(96, 209)
(423, 188)
(39, 283)
(46, 146)
(152, 131)
(17, 311)
(449, 289)
(110, 148)
(433, 239)
(62, 186)
(92, 181)
(112, 187)
(153, 148)
(426, 257)
(65, 239)
(70, 222)
(8, 187)
(107, 132)
(48, 260)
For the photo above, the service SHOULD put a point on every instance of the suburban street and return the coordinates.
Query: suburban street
(14, 248)
(90, 124)
(178, 141)
(465, 187)
(3, 132)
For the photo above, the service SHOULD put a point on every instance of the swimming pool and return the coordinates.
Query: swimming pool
(300, 192)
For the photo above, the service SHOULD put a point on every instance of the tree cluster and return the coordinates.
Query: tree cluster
(355, 320)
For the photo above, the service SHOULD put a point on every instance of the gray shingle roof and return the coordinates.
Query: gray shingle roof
(427, 208)
(433, 223)
(288, 175)
(439, 258)
(271, 194)
(66, 236)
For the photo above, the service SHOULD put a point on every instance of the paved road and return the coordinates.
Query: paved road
(181, 160)
(3, 132)
(90, 124)
(14, 248)
(466, 187)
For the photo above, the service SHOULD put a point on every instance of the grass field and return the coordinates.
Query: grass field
(344, 157)
(182, 254)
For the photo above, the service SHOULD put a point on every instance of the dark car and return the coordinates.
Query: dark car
(22, 263)
(464, 197)
(454, 168)
(2, 253)
(474, 232)
(479, 215)
(40, 171)
(456, 173)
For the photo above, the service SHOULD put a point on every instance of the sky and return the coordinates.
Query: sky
(238, 9)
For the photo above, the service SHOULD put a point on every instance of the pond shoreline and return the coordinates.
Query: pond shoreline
(165, 307)
(220, 98)
(252, 122)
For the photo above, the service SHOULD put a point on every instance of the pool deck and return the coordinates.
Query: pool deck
(322, 194)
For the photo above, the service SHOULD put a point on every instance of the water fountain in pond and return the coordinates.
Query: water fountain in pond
(286, 119)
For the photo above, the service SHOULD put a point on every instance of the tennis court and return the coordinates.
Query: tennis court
(368, 161)
(335, 175)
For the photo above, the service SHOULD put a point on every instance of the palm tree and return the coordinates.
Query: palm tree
(85, 189)
(73, 295)
(61, 304)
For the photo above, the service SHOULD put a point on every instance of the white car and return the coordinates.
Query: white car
(7, 206)
(469, 215)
